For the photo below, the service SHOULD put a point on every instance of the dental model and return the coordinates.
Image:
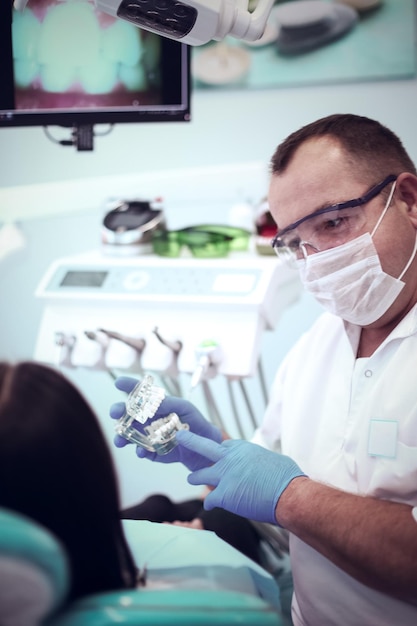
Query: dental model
(141, 406)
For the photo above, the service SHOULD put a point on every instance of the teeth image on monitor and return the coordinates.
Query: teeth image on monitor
(133, 78)
(96, 60)
(68, 64)
(122, 43)
(98, 77)
(26, 31)
(69, 39)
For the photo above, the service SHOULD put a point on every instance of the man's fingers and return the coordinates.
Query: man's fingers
(117, 410)
(120, 442)
(125, 383)
(203, 476)
(205, 447)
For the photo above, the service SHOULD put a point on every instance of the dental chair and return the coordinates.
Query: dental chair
(34, 579)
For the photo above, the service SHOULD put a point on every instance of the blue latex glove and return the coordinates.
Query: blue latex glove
(248, 479)
(187, 413)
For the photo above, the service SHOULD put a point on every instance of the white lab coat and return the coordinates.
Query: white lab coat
(351, 423)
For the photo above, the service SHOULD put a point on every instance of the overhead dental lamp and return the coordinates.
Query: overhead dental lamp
(193, 22)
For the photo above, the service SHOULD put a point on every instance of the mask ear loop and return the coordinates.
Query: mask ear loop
(381, 217)
(413, 254)
(410, 260)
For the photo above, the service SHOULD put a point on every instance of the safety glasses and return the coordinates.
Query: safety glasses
(202, 241)
(326, 228)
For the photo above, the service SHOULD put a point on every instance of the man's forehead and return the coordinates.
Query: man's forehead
(316, 177)
(317, 153)
(316, 161)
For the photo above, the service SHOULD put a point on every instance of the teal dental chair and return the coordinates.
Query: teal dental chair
(34, 578)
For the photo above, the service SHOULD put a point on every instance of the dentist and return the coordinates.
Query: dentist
(335, 459)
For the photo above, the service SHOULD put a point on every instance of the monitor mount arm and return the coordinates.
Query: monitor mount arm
(193, 22)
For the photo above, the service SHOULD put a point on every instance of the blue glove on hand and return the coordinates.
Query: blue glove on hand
(248, 479)
(187, 413)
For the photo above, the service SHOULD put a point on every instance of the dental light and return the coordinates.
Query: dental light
(193, 22)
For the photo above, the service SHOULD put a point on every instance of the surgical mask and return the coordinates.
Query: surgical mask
(348, 280)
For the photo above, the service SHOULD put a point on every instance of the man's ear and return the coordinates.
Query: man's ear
(406, 190)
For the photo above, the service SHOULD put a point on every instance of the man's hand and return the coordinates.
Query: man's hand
(187, 413)
(248, 480)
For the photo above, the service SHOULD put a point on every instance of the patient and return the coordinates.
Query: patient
(56, 468)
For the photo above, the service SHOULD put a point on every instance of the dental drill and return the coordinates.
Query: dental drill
(209, 355)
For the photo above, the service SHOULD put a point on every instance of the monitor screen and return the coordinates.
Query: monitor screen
(65, 63)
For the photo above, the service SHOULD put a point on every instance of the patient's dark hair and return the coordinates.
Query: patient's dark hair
(373, 150)
(56, 467)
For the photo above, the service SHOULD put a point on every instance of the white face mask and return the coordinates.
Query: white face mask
(348, 280)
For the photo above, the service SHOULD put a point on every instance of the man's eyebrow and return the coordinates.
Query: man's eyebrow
(341, 203)
(324, 207)
(327, 205)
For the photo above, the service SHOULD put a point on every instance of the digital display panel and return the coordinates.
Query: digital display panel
(83, 278)
(66, 63)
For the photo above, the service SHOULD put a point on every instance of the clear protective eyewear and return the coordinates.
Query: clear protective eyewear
(325, 228)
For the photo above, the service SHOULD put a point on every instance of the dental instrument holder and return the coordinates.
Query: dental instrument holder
(102, 342)
(66, 345)
(175, 347)
(141, 406)
(209, 357)
(138, 344)
(170, 375)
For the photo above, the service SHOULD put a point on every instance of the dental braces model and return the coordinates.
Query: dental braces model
(141, 406)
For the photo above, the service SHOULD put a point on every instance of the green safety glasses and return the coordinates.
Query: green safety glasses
(203, 241)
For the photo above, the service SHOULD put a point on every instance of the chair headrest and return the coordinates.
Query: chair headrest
(34, 572)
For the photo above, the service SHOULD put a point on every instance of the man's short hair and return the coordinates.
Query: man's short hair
(370, 147)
